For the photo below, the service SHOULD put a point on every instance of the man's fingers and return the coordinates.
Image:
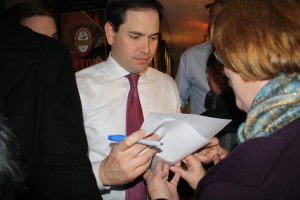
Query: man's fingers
(153, 137)
(147, 174)
(131, 140)
(142, 168)
(143, 161)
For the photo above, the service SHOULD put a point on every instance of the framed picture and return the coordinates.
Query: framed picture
(83, 33)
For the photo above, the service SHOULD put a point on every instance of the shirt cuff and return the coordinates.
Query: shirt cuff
(95, 167)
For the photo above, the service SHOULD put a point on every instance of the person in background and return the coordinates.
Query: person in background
(264, 73)
(132, 29)
(191, 77)
(35, 16)
(39, 97)
(220, 103)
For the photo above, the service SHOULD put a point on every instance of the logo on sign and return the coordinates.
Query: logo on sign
(83, 41)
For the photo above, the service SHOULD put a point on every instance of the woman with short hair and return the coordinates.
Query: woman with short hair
(259, 43)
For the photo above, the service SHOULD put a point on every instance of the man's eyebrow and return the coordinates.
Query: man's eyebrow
(136, 33)
(154, 34)
(142, 34)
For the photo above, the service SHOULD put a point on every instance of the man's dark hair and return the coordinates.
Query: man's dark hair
(22, 11)
(212, 63)
(222, 2)
(116, 10)
(11, 174)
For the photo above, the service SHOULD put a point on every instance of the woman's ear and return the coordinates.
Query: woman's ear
(109, 32)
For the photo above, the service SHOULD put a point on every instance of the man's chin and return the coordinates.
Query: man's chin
(140, 68)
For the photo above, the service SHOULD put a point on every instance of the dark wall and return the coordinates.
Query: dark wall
(8, 3)
(1, 6)
(71, 5)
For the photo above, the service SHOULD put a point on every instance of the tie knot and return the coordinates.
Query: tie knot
(133, 80)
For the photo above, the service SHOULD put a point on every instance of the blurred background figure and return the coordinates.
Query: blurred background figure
(35, 16)
(191, 78)
(220, 103)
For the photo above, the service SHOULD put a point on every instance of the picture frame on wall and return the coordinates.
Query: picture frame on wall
(83, 33)
(81, 28)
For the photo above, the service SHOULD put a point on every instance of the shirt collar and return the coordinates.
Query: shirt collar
(116, 71)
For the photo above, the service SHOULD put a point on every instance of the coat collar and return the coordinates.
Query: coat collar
(15, 36)
(13, 65)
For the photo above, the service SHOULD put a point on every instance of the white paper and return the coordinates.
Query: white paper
(181, 134)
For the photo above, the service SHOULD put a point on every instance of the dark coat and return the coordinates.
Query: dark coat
(41, 101)
(224, 107)
(265, 168)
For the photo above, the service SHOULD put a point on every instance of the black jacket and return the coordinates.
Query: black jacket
(40, 98)
(223, 106)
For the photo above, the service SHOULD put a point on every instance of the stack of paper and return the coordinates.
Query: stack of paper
(182, 134)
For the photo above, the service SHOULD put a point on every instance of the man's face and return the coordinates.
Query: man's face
(217, 80)
(134, 45)
(42, 24)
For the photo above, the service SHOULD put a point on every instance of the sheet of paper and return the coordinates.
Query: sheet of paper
(181, 134)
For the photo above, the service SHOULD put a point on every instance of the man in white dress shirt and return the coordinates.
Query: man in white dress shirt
(191, 77)
(132, 30)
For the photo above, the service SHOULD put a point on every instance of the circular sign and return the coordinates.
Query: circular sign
(83, 41)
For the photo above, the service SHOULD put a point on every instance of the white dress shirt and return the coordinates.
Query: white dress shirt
(103, 90)
(191, 77)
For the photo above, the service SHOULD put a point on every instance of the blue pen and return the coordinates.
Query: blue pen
(119, 138)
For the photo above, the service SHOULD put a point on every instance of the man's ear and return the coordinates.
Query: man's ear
(110, 33)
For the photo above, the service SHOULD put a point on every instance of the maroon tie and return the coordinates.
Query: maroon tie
(136, 190)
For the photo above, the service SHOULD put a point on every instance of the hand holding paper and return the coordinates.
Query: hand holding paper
(181, 134)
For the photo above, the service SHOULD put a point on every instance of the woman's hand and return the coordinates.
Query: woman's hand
(194, 172)
(212, 152)
(158, 185)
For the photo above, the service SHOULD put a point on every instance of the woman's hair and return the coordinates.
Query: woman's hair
(259, 38)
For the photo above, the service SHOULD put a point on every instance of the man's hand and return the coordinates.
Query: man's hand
(125, 163)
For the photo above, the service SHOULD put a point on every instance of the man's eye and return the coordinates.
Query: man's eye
(153, 37)
(134, 37)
